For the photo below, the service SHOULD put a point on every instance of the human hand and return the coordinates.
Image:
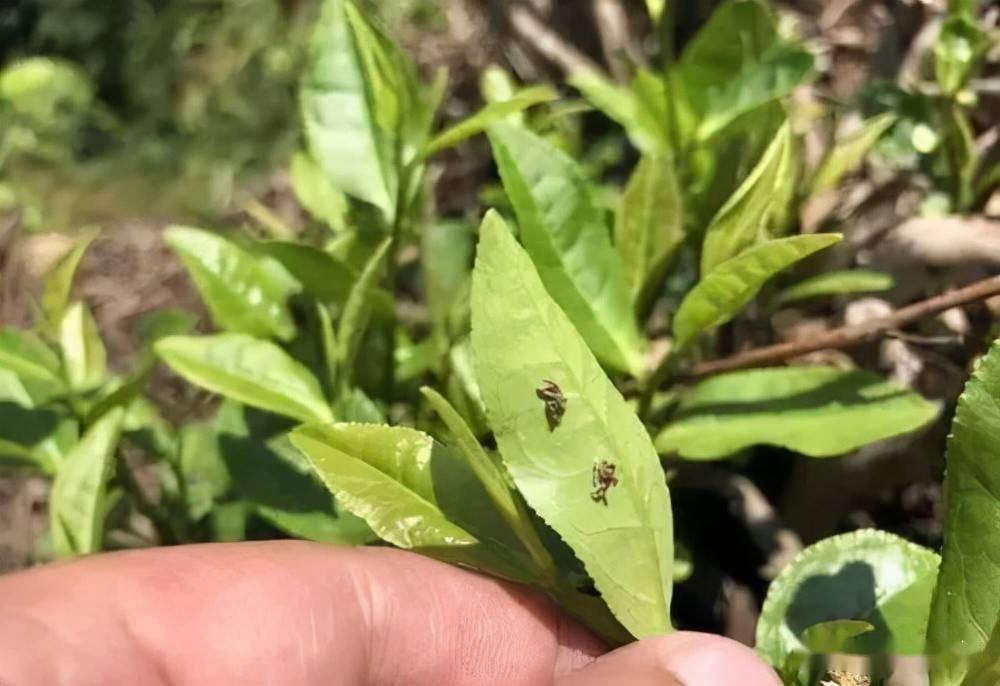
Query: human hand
(302, 614)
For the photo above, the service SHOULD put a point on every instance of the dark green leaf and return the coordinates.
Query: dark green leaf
(76, 507)
(650, 225)
(358, 310)
(642, 117)
(521, 340)
(244, 293)
(721, 294)
(779, 70)
(322, 275)
(817, 411)
(966, 602)
(868, 576)
(249, 370)
(564, 231)
(957, 53)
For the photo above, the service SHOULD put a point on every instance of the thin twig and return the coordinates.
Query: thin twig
(848, 336)
(534, 31)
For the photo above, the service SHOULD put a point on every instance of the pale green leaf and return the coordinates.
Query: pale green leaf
(650, 225)
(348, 113)
(817, 411)
(846, 154)
(59, 281)
(249, 370)
(270, 475)
(742, 219)
(76, 507)
(521, 341)
(202, 468)
(966, 603)
(413, 492)
(446, 265)
(723, 292)
(83, 352)
(834, 636)
(316, 193)
(869, 576)
(564, 231)
(488, 116)
(358, 309)
(244, 293)
(845, 282)
(491, 475)
(779, 70)
(959, 49)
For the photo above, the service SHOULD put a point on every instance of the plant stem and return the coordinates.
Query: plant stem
(847, 336)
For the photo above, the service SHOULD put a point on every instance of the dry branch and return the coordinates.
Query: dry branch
(848, 336)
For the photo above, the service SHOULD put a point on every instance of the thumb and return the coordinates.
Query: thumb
(681, 659)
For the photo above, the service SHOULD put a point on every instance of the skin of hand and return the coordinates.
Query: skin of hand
(291, 613)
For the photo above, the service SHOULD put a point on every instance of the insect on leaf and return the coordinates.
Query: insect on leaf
(723, 292)
(520, 337)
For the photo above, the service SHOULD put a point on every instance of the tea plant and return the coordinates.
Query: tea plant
(515, 424)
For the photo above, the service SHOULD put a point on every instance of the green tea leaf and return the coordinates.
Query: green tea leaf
(650, 225)
(844, 282)
(779, 71)
(959, 49)
(833, 637)
(966, 603)
(83, 353)
(348, 113)
(206, 477)
(522, 340)
(847, 154)
(631, 107)
(564, 231)
(36, 366)
(76, 507)
(739, 33)
(985, 669)
(316, 193)
(270, 475)
(59, 280)
(413, 493)
(488, 116)
(249, 370)
(446, 266)
(741, 221)
(721, 294)
(358, 310)
(817, 411)
(869, 576)
(322, 275)
(244, 293)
